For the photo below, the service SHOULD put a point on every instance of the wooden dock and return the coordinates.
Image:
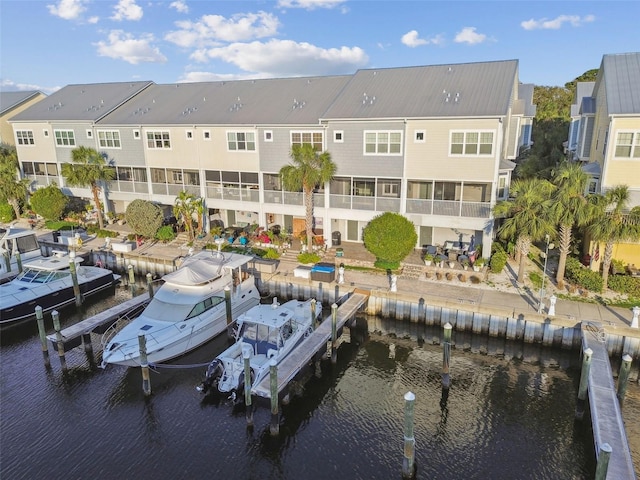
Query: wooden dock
(289, 368)
(608, 425)
(72, 335)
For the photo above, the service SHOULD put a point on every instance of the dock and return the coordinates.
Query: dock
(606, 417)
(290, 366)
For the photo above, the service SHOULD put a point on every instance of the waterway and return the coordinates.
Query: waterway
(507, 416)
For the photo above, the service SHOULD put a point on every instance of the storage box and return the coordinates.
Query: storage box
(123, 247)
(323, 273)
(302, 272)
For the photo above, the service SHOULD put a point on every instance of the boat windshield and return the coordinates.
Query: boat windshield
(167, 312)
(260, 336)
(40, 276)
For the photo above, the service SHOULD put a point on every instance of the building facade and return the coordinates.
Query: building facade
(12, 103)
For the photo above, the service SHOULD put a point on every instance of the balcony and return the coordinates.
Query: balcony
(450, 208)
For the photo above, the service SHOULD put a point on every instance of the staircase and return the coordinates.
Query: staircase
(412, 272)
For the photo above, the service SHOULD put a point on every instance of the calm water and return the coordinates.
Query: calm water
(502, 419)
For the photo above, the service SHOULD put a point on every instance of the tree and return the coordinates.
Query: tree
(569, 208)
(613, 225)
(144, 217)
(49, 202)
(308, 170)
(89, 169)
(390, 237)
(12, 190)
(525, 213)
(184, 208)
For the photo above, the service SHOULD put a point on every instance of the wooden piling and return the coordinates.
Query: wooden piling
(623, 377)
(132, 280)
(59, 343)
(274, 427)
(313, 312)
(334, 333)
(408, 464)
(446, 355)
(603, 461)
(246, 355)
(7, 261)
(19, 260)
(144, 365)
(43, 336)
(150, 284)
(227, 304)
(88, 346)
(584, 383)
(74, 278)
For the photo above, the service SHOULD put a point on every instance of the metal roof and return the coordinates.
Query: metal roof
(10, 100)
(281, 101)
(456, 90)
(622, 82)
(583, 89)
(85, 102)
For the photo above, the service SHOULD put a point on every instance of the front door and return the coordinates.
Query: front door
(298, 226)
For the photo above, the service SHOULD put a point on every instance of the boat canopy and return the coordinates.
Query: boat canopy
(200, 270)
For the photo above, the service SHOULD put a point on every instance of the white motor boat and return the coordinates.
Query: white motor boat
(188, 310)
(267, 331)
(14, 240)
(48, 283)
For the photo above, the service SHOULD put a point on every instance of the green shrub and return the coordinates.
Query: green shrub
(107, 234)
(386, 265)
(165, 234)
(144, 217)
(625, 284)
(583, 276)
(271, 254)
(390, 237)
(307, 257)
(498, 261)
(6, 213)
(49, 202)
(60, 225)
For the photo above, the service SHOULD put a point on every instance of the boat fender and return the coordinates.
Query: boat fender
(99, 264)
(271, 353)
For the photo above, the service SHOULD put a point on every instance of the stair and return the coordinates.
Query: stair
(412, 272)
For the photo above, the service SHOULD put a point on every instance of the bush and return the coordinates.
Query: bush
(165, 234)
(6, 213)
(49, 202)
(498, 261)
(583, 276)
(307, 257)
(144, 218)
(625, 284)
(271, 254)
(390, 237)
(61, 225)
(386, 265)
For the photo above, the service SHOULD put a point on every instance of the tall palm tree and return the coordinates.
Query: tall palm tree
(526, 218)
(184, 207)
(12, 189)
(613, 224)
(569, 208)
(89, 169)
(308, 170)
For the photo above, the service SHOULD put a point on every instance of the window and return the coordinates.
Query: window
(189, 135)
(471, 143)
(158, 140)
(310, 138)
(109, 138)
(136, 134)
(390, 189)
(592, 185)
(89, 134)
(338, 136)
(241, 141)
(628, 145)
(420, 136)
(383, 143)
(363, 187)
(206, 135)
(25, 137)
(65, 138)
(45, 132)
(502, 187)
(268, 136)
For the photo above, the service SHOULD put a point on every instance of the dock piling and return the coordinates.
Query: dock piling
(43, 336)
(313, 312)
(88, 346)
(623, 377)
(132, 280)
(408, 464)
(446, 355)
(144, 365)
(334, 333)
(274, 427)
(7, 261)
(74, 278)
(19, 260)
(227, 303)
(59, 343)
(603, 461)
(246, 356)
(584, 383)
(150, 285)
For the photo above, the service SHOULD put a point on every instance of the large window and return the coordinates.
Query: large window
(158, 140)
(241, 141)
(628, 145)
(471, 143)
(310, 138)
(109, 138)
(383, 143)
(24, 137)
(64, 138)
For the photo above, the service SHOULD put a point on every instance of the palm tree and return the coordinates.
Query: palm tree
(12, 189)
(184, 207)
(89, 169)
(569, 208)
(309, 169)
(526, 219)
(613, 225)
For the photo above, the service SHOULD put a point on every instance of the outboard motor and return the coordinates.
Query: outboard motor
(212, 377)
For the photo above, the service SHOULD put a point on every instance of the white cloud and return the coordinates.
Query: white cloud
(412, 39)
(287, 58)
(123, 46)
(11, 86)
(310, 4)
(469, 35)
(93, 20)
(215, 28)
(180, 6)
(556, 23)
(127, 10)
(190, 77)
(68, 9)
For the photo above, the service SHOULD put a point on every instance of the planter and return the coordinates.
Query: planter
(476, 269)
(427, 262)
(452, 264)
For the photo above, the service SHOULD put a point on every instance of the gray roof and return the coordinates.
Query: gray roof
(282, 101)
(583, 89)
(525, 97)
(622, 82)
(85, 102)
(481, 89)
(10, 100)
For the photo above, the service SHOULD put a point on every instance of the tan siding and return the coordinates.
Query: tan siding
(621, 172)
(44, 148)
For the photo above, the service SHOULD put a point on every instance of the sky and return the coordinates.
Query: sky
(47, 44)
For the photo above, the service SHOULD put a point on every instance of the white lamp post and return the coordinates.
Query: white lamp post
(544, 271)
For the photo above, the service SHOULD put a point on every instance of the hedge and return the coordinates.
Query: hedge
(583, 276)
(625, 284)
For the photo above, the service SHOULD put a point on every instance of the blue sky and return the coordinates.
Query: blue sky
(48, 44)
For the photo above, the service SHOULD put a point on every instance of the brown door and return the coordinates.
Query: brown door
(298, 226)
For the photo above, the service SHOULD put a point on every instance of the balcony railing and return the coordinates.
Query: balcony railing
(451, 208)
(356, 202)
(174, 189)
(128, 187)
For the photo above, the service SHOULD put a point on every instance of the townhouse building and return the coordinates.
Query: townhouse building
(434, 143)
(12, 103)
(605, 135)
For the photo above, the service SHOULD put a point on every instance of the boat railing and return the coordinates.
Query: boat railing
(122, 321)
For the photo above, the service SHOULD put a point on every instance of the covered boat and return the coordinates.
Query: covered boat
(187, 310)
